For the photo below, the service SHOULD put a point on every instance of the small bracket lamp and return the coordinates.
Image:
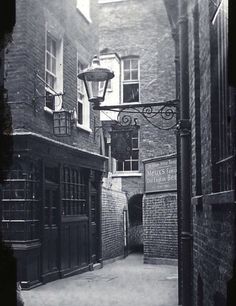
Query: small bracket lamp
(95, 80)
(62, 122)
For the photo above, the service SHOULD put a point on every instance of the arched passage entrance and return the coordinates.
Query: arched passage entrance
(135, 223)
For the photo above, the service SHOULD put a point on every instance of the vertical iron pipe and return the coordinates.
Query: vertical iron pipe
(185, 162)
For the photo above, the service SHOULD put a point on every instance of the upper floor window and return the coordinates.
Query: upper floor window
(84, 7)
(53, 72)
(132, 163)
(130, 80)
(83, 109)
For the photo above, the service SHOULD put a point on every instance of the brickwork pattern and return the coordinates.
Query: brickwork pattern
(27, 54)
(213, 223)
(160, 226)
(145, 33)
(113, 204)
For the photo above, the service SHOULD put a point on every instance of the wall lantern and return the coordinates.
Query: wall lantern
(96, 79)
(62, 122)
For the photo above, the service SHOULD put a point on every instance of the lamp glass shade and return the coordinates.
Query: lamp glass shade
(95, 80)
(62, 123)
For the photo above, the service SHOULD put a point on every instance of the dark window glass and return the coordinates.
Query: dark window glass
(130, 93)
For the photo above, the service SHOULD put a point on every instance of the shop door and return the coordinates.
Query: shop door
(95, 226)
(50, 233)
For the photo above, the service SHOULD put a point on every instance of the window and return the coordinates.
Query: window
(130, 80)
(83, 107)
(84, 7)
(131, 164)
(53, 72)
(222, 104)
(20, 205)
(74, 193)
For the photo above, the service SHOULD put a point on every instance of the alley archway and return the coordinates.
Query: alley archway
(135, 223)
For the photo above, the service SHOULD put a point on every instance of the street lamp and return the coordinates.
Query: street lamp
(95, 80)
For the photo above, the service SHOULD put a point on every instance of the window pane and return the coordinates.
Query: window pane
(119, 165)
(126, 64)
(134, 75)
(80, 113)
(53, 48)
(135, 154)
(134, 165)
(48, 62)
(134, 64)
(135, 143)
(126, 75)
(130, 93)
(53, 65)
(127, 165)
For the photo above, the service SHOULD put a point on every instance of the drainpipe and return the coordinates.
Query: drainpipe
(175, 36)
(185, 159)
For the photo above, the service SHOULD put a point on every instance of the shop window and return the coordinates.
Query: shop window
(20, 210)
(132, 163)
(74, 192)
(130, 80)
(83, 107)
(53, 73)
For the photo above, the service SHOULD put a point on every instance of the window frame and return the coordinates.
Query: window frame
(58, 75)
(131, 160)
(83, 102)
(130, 81)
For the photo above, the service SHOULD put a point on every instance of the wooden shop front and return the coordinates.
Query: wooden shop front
(51, 203)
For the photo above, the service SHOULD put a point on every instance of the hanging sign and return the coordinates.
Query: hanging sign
(121, 143)
(160, 174)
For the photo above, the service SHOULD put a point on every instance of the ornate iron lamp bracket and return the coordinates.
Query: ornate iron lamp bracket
(165, 111)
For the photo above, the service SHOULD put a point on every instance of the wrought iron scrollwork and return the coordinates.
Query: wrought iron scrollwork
(165, 112)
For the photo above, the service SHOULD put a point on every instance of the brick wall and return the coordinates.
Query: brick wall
(160, 227)
(27, 54)
(145, 33)
(114, 202)
(213, 214)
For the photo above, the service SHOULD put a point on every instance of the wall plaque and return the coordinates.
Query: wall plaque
(160, 174)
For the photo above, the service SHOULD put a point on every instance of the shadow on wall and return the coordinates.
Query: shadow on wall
(135, 223)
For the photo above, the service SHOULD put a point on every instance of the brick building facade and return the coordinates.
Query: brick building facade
(207, 99)
(51, 197)
(139, 48)
(211, 101)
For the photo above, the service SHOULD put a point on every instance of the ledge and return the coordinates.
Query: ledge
(225, 197)
(127, 174)
(83, 128)
(217, 198)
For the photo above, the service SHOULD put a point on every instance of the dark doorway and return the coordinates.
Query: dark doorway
(135, 223)
(50, 239)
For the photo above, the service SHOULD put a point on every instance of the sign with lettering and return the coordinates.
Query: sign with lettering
(160, 174)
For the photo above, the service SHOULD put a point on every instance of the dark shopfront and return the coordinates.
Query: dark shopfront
(51, 209)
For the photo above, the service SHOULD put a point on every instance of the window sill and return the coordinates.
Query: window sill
(84, 128)
(127, 174)
(131, 103)
(48, 110)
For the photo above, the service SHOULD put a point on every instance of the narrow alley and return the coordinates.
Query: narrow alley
(123, 282)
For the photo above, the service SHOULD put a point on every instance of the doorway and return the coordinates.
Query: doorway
(50, 241)
(135, 223)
